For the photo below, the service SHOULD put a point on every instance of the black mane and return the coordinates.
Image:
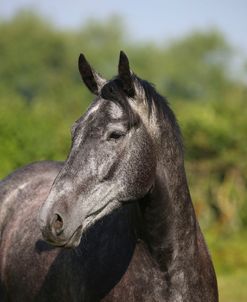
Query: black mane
(161, 104)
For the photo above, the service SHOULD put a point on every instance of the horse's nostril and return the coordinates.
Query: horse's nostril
(57, 224)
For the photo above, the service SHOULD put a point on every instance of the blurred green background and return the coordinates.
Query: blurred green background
(41, 94)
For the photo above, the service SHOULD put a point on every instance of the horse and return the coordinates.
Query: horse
(115, 221)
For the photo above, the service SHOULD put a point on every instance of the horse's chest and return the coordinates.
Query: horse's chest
(141, 282)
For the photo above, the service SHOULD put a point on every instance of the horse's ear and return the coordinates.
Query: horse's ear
(91, 78)
(125, 76)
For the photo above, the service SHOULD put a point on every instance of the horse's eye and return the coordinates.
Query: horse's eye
(115, 135)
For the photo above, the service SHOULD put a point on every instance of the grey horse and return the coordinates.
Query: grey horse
(116, 217)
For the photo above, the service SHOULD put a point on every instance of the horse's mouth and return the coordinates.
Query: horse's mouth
(75, 239)
(72, 242)
(91, 218)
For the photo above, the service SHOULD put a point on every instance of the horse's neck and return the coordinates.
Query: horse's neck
(172, 233)
(171, 229)
(170, 223)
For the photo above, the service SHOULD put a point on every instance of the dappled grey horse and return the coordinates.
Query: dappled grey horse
(116, 216)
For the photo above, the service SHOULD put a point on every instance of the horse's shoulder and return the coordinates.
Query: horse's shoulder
(23, 185)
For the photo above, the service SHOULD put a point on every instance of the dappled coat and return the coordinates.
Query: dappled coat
(115, 221)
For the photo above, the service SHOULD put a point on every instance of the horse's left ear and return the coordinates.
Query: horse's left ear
(125, 76)
(91, 78)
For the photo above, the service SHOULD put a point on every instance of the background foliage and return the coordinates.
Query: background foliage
(41, 94)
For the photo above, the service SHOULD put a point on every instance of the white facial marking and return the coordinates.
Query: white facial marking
(93, 109)
(116, 111)
(85, 118)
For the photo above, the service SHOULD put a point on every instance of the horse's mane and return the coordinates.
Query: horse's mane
(161, 105)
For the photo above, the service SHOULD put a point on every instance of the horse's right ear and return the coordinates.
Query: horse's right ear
(91, 78)
(125, 74)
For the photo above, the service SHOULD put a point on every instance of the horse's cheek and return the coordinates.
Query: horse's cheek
(139, 171)
(147, 167)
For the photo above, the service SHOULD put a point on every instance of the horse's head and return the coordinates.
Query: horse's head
(112, 158)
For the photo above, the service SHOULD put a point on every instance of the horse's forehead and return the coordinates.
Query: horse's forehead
(99, 114)
(92, 115)
(101, 108)
(115, 110)
(92, 110)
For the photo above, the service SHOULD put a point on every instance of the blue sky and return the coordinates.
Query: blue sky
(159, 20)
